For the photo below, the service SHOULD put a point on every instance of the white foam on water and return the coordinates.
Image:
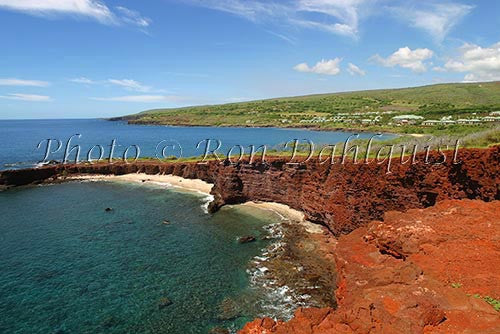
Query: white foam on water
(206, 202)
(161, 184)
(279, 301)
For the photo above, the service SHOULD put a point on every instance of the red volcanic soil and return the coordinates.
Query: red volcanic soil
(339, 197)
(410, 272)
(416, 272)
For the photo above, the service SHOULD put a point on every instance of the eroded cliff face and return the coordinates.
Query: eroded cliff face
(423, 271)
(419, 249)
(340, 197)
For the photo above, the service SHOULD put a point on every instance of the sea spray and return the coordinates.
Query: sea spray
(206, 202)
(284, 275)
(278, 301)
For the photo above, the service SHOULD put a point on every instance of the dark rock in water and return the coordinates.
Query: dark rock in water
(108, 209)
(247, 239)
(229, 310)
(411, 186)
(219, 330)
(164, 302)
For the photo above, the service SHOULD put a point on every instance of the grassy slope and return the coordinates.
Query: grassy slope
(432, 102)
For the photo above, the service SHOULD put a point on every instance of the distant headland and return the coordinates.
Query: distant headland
(444, 109)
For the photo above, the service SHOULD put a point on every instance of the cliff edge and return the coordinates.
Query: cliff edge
(423, 271)
(338, 196)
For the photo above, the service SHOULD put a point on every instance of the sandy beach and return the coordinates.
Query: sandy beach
(199, 186)
(287, 213)
(174, 181)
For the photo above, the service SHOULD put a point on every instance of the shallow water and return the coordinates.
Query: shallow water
(67, 266)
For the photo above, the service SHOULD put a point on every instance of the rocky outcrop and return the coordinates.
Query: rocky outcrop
(413, 272)
(341, 197)
(423, 271)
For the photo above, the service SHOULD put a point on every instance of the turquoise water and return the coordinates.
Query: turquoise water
(67, 266)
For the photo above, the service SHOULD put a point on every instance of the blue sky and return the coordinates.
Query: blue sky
(89, 58)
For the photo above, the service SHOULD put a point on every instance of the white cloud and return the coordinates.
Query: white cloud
(287, 39)
(84, 80)
(327, 67)
(130, 84)
(479, 64)
(133, 17)
(336, 28)
(344, 17)
(333, 16)
(21, 82)
(94, 9)
(438, 69)
(437, 19)
(27, 97)
(353, 70)
(249, 9)
(90, 8)
(141, 98)
(407, 58)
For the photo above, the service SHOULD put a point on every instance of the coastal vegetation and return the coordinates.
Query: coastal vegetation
(493, 302)
(375, 149)
(444, 109)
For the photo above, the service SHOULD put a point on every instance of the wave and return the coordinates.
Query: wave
(206, 199)
(206, 202)
(270, 276)
(20, 164)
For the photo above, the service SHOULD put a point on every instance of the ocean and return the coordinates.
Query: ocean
(68, 266)
(19, 139)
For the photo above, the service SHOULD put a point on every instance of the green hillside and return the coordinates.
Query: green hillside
(373, 110)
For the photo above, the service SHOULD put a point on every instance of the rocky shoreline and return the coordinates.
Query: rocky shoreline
(433, 270)
(341, 197)
(294, 270)
(426, 270)
(291, 272)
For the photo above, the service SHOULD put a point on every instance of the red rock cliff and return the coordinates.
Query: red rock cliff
(341, 197)
(414, 272)
(423, 271)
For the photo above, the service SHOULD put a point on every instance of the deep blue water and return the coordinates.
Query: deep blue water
(19, 138)
(67, 266)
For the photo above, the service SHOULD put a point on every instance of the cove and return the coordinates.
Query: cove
(68, 266)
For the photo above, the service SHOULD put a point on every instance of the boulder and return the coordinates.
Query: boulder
(164, 302)
(246, 239)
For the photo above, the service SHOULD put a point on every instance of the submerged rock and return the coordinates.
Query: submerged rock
(229, 309)
(164, 302)
(108, 209)
(246, 239)
(219, 330)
